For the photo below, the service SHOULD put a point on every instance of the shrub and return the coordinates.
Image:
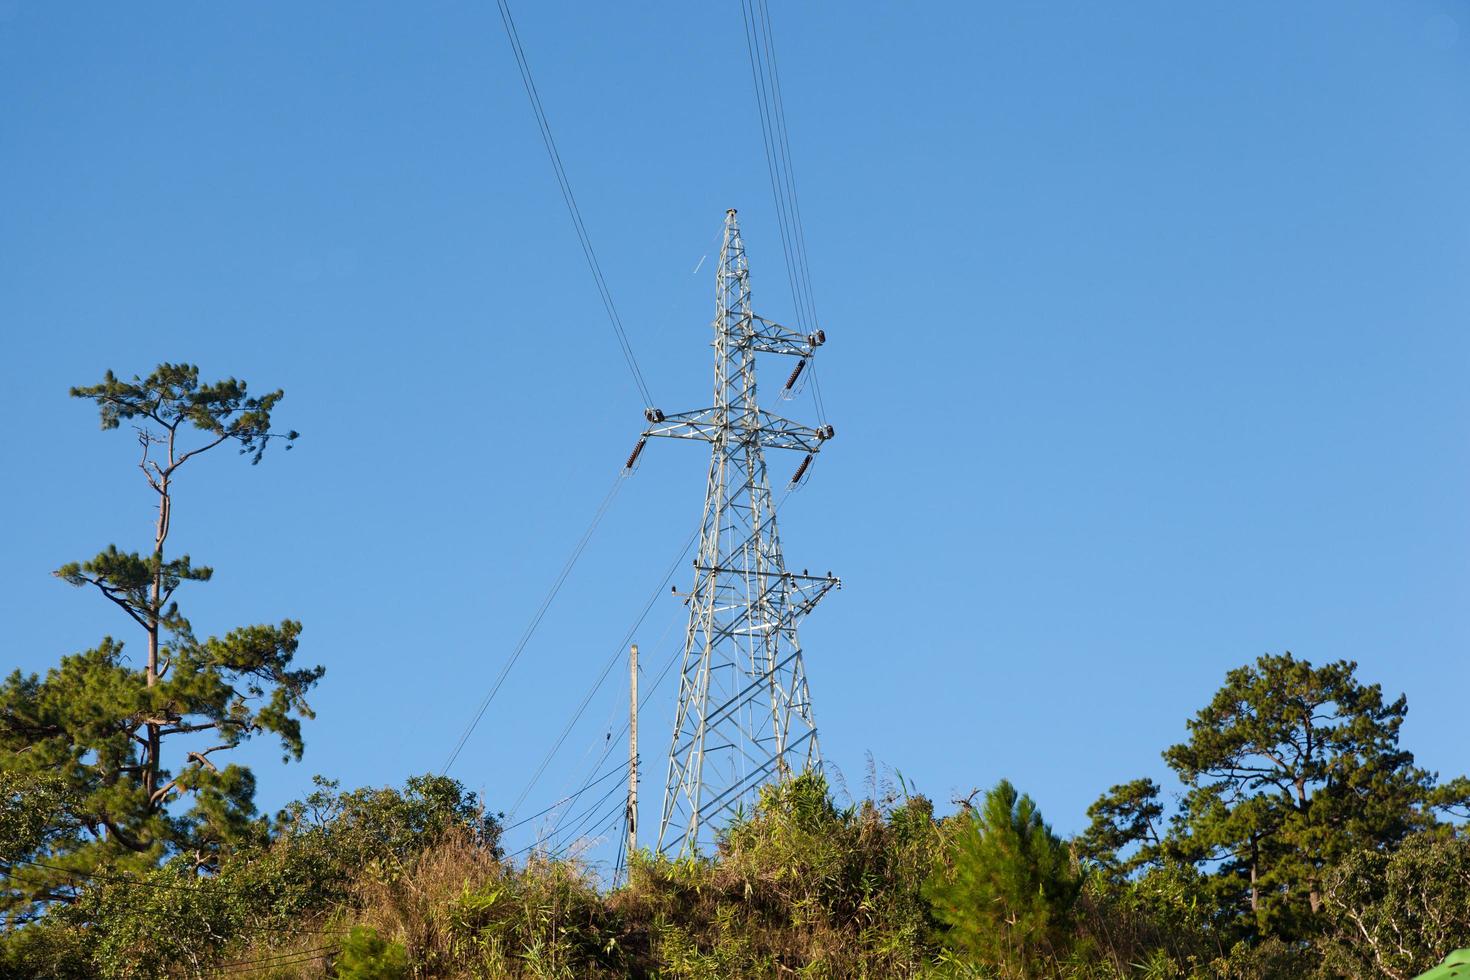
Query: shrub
(1397, 914)
(366, 956)
(1006, 893)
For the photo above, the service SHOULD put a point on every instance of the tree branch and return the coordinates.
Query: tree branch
(195, 452)
(199, 757)
(201, 727)
(123, 837)
(159, 794)
(122, 603)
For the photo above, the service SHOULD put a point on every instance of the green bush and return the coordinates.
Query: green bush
(1399, 912)
(143, 923)
(366, 956)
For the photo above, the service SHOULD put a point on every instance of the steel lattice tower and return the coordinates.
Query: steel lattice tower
(744, 713)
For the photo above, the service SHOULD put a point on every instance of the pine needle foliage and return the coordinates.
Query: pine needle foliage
(1007, 887)
(134, 742)
(1288, 771)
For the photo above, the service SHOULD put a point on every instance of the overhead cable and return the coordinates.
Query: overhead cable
(602, 678)
(606, 670)
(566, 799)
(530, 630)
(109, 878)
(611, 739)
(765, 77)
(582, 818)
(279, 961)
(565, 185)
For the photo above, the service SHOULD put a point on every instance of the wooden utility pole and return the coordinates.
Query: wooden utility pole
(632, 750)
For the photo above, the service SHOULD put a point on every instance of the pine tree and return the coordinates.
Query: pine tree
(1008, 887)
(1287, 771)
(135, 747)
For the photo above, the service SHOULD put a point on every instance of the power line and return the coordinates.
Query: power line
(765, 76)
(565, 185)
(284, 959)
(602, 678)
(673, 657)
(601, 824)
(535, 622)
(565, 799)
(606, 751)
(752, 44)
(581, 820)
(618, 813)
(219, 969)
(778, 114)
(610, 740)
(617, 737)
(806, 273)
(114, 879)
(608, 743)
(622, 850)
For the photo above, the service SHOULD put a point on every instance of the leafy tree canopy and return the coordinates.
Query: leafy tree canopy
(1396, 913)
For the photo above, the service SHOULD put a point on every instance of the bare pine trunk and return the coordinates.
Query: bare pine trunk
(1255, 895)
(1314, 896)
(155, 628)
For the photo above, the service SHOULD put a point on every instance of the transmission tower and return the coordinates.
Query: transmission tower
(744, 713)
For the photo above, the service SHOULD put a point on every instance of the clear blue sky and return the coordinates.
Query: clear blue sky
(1147, 355)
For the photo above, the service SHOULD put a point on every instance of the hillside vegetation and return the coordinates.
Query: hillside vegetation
(412, 883)
(1300, 841)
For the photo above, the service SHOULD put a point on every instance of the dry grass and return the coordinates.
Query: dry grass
(423, 905)
(300, 955)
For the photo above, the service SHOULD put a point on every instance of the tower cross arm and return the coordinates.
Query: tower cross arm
(771, 431)
(796, 594)
(770, 337)
(780, 606)
(806, 591)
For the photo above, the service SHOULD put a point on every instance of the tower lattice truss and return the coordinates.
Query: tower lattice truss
(745, 713)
